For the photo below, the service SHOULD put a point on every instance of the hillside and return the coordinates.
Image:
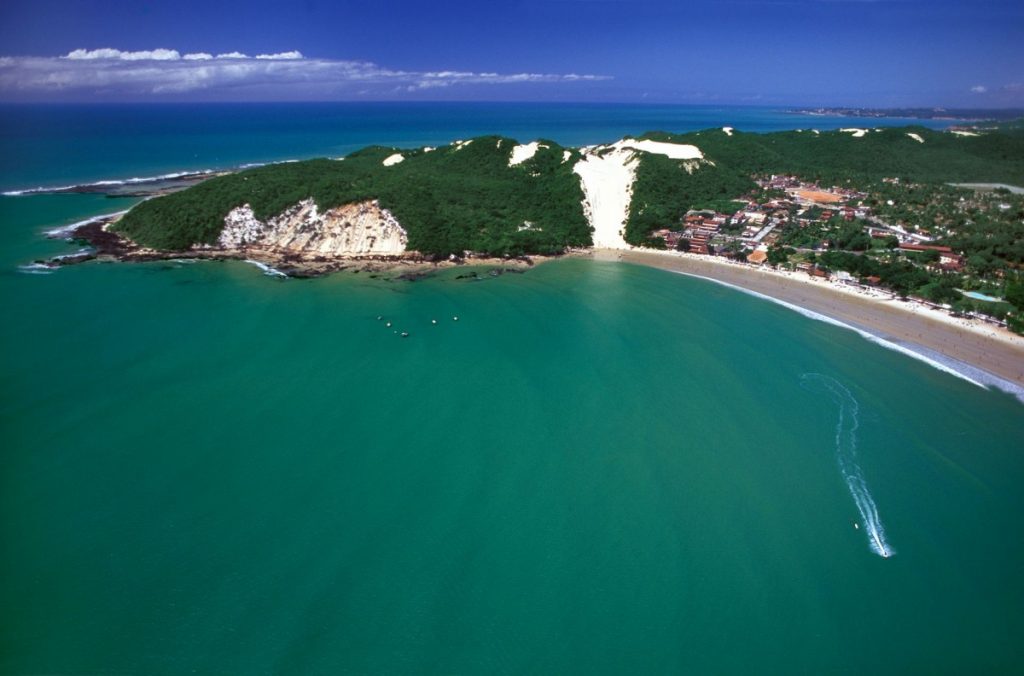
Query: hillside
(465, 196)
(493, 195)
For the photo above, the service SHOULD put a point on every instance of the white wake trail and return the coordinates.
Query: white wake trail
(846, 455)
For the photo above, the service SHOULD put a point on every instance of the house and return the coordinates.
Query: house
(699, 242)
(844, 277)
(925, 247)
(758, 257)
(951, 262)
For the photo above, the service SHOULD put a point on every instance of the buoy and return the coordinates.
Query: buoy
(388, 325)
(379, 318)
(405, 334)
(455, 319)
(856, 525)
(433, 321)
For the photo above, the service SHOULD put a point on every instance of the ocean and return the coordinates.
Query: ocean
(597, 468)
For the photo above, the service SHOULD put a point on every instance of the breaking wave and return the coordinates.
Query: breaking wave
(267, 270)
(99, 186)
(846, 455)
(36, 269)
(96, 186)
(66, 230)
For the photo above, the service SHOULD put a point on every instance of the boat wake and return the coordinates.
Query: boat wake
(846, 455)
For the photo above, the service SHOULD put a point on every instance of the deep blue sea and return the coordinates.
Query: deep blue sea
(51, 145)
(598, 468)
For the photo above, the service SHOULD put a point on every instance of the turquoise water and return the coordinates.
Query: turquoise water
(599, 468)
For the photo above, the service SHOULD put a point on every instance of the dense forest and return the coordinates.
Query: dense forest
(837, 157)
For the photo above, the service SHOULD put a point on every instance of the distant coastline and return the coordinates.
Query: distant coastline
(952, 115)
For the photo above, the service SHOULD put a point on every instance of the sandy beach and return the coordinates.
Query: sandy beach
(981, 345)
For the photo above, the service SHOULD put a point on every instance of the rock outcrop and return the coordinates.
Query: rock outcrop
(359, 229)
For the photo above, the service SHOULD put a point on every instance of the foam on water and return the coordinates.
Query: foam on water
(66, 230)
(267, 270)
(76, 254)
(36, 269)
(846, 456)
(137, 180)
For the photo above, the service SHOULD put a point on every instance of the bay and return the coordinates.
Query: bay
(597, 468)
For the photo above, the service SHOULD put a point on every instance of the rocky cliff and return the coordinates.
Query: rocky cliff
(360, 229)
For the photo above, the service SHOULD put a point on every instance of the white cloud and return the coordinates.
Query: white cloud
(979, 89)
(166, 71)
(281, 56)
(107, 53)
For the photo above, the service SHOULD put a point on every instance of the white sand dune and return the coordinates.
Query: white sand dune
(857, 133)
(607, 182)
(521, 153)
(965, 133)
(728, 130)
(675, 151)
(392, 160)
(916, 137)
(606, 176)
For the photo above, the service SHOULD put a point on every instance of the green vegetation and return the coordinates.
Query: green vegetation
(987, 225)
(449, 200)
(456, 199)
(664, 189)
(906, 183)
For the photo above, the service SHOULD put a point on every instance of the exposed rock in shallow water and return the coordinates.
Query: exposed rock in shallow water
(361, 229)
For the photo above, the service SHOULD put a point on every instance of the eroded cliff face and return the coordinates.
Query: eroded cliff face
(360, 229)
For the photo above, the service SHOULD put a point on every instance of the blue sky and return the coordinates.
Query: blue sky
(792, 52)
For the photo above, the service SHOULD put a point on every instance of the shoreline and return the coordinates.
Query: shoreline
(993, 351)
(110, 246)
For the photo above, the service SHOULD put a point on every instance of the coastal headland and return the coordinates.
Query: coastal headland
(850, 244)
